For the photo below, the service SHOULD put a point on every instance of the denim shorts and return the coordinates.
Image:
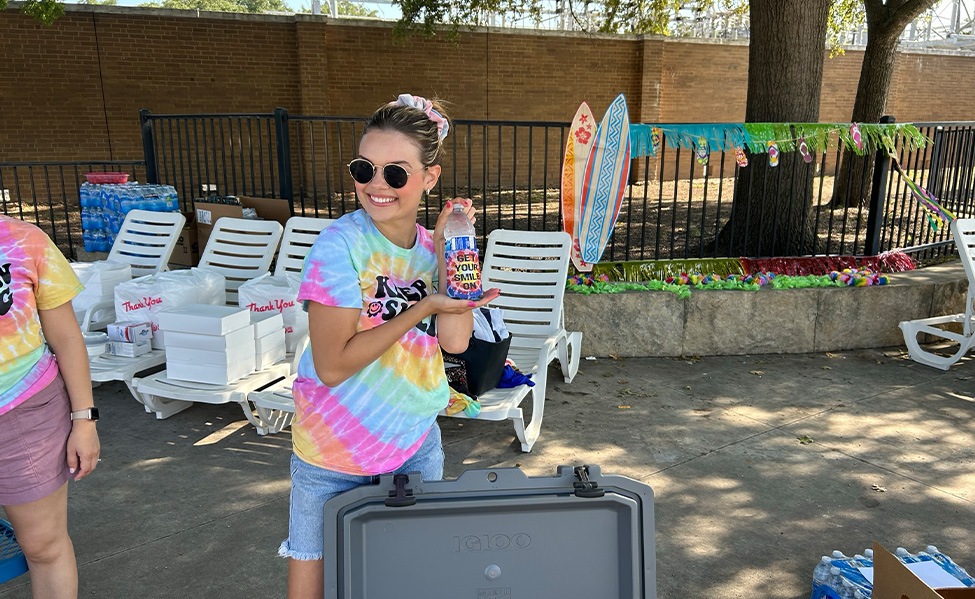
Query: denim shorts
(312, 486)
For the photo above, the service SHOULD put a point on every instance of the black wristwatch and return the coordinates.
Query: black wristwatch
(86, 414)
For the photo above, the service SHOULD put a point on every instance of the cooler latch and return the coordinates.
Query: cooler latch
(585, 487)
(400, 496)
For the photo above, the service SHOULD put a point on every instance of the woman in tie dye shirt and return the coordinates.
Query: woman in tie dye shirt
(42, 443)
(372, 381)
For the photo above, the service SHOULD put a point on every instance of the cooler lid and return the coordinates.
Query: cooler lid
(492, 534)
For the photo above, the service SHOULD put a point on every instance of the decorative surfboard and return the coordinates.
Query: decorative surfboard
(604, 183)
(582, 136)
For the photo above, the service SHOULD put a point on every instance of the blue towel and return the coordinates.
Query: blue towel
(512, 378)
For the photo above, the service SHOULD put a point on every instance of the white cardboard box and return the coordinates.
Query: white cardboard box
(205, 319)
(266, 323)
(270, 356)
(209, 373)
(271, 340)
(210, 342)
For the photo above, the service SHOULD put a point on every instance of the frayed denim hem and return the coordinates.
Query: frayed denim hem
(285, 551)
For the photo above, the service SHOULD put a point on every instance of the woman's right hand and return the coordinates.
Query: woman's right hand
(441, 304)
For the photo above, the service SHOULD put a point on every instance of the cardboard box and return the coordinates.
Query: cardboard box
(204, 319)
(187, 250)
(208, 213)
(892, 580)
(139, 333)
(128, 350)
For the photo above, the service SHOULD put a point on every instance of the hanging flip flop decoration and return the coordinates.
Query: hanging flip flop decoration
(856, 137)
(740, 157)
(701, 151)
(804, 150)
(773, 154)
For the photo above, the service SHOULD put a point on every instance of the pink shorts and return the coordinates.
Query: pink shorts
(34, 446)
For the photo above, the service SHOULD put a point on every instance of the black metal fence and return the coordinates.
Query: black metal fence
(674, 206)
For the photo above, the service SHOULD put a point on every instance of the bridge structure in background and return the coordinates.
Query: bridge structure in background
(947, 26)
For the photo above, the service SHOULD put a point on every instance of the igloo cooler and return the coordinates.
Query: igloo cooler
(493, 534)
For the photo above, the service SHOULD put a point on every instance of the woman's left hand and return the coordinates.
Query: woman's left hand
(83, 448)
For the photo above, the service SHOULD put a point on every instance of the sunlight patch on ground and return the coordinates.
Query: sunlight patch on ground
(221, 434)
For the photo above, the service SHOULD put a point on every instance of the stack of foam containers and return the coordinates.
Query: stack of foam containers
(269, 338)
(206, 343)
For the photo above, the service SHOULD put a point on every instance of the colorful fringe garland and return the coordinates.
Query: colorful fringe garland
(860, 138)
(938, 216)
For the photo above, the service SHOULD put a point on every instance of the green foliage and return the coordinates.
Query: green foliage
(45, 11)
(247, 6)
(354, 9)
(602, 16)
(844, 15)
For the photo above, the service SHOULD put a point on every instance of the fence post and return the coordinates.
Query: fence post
(878, 193)
(283, 137)
(148, 147)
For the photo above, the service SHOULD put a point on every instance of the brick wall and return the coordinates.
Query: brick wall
(72, 91)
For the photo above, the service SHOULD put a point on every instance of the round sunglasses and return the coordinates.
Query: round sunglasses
(363, 171)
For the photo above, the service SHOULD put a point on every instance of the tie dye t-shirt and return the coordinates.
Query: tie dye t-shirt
(34, 275)
(375, 420)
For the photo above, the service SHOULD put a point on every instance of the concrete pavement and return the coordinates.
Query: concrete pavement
(759, 464)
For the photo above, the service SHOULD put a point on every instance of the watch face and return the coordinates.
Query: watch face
(93, 414)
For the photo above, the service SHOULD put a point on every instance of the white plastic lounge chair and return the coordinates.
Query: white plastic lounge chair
(274, 406)
(146, 242)
(239, 249)
(963, 231)
(299, 235)
(530, 269)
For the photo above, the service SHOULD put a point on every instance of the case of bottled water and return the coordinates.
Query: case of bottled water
(837, 576)
(103, 209)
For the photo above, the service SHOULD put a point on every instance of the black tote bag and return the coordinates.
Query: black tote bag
(482, 360)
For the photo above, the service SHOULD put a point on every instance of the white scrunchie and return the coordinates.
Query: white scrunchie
(426, 106)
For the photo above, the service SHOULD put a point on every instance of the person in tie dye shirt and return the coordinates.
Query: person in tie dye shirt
(43, 379)
(372, 381)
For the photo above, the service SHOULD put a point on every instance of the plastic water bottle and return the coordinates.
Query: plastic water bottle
(463, 267)
(949, 566)
(847, 590)
(906, 556)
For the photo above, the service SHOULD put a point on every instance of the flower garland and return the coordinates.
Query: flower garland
(681, 284)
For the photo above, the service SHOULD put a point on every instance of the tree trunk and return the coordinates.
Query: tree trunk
(852, 187)
(770, 211)
(886, 20)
